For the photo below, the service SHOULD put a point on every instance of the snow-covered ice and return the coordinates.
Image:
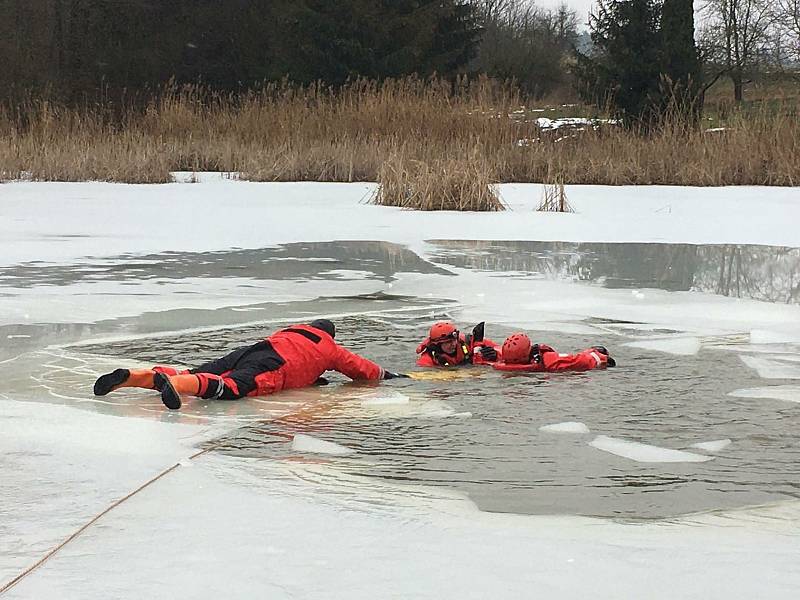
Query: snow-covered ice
(239, 527)
(644, 453)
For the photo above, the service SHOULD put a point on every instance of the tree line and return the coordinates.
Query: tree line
(644, 56)
(71, 46)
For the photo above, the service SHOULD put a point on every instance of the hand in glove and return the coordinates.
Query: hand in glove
(488, 353)
(390, 375)
(602, 350)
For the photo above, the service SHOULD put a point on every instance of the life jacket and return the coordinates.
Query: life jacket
(463, 353)
(545, 359)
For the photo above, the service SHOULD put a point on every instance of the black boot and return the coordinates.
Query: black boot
(169, 395)
(106, 383)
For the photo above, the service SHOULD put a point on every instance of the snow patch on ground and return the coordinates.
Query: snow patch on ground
(644, 453)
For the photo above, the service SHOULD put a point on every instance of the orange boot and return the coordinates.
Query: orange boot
(171, 388)
(141, 378)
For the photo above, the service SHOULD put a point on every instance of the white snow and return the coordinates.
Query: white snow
(644, 453)
(713, 446)
(788, 392)
(565, 427)
(307, 443)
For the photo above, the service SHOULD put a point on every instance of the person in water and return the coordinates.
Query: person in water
(293, 357)
(446, 346)
(519, 354)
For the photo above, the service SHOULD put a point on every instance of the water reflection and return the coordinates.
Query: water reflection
(769, 273)
(306, 260)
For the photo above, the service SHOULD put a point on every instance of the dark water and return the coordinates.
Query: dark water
(480, 434)
(769, 273)
(504, 463)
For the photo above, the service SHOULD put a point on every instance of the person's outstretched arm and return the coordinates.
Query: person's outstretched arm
(354, 366)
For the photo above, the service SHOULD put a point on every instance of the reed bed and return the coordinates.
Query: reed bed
(387, 132)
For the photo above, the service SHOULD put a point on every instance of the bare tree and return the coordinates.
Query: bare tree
(736, 33)
(788, 14)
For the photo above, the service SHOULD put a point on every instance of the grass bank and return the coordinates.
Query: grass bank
(286, 133)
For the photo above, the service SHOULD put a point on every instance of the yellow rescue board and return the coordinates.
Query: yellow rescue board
(444, 374)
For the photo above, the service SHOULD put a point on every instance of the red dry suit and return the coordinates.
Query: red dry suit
(467, 353)
(294, 357)
(545, 359)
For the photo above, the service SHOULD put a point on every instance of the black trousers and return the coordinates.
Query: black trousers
(242, 366)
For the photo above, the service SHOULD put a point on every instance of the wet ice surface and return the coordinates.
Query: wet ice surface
(416, 444)
(484, 433)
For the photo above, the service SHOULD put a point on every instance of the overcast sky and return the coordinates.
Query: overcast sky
(579, 6)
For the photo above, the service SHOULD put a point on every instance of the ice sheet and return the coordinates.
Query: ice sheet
(712, 446)
(772, 368)
(789, 393)
(644, 453)
(565, 427)
(313, 445)
(684, 346)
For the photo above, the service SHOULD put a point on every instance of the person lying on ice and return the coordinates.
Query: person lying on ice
(290, 358)
(520, 355)
(446, 346)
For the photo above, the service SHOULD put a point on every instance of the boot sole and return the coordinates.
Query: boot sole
(106, 383)
(169, 396)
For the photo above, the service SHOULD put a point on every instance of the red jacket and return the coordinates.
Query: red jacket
(551, 361)
(309, 352)
(466, 353)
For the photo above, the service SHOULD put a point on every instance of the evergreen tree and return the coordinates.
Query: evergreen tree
(680, 63)
(625, 67)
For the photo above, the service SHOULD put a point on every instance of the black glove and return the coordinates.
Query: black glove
(602, 350)
(477, 332)
(488, 353)
(390, 375)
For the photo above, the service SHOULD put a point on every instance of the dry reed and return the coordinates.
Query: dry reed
(367, 131)
(554, 198)
(445, 184)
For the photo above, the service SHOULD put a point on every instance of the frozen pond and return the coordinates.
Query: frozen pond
(480, 434)
(477, 483)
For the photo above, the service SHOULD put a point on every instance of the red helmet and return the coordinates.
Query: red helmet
(517, 349)
(442, 331)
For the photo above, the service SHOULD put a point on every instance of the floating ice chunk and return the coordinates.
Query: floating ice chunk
(565, 427)
(769, 368)
(763, 336)
(644, 452)
(684, 346)
(637, 294)
(307, 443)
(714, 446)
(790, 393)
(462, 415)
(386, 397)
